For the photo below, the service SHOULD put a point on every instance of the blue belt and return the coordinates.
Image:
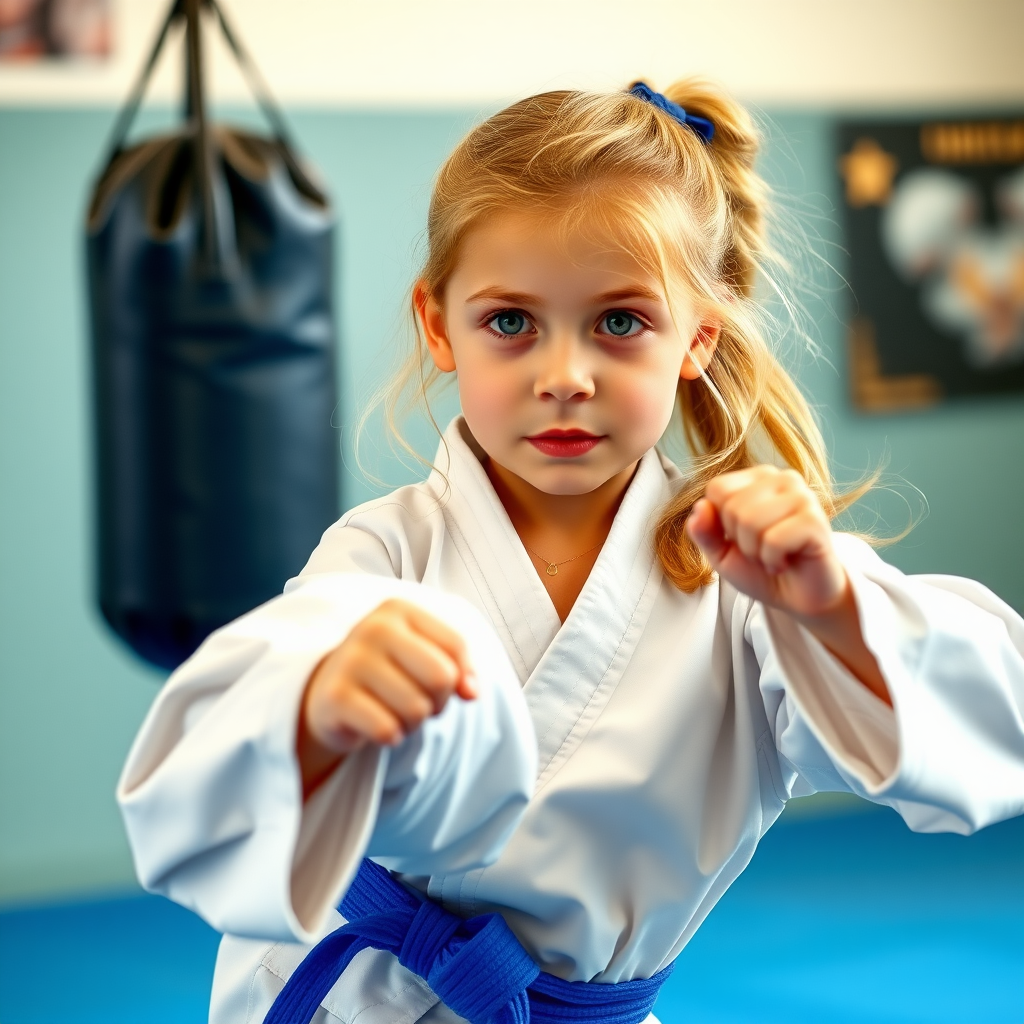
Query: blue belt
(476, 967)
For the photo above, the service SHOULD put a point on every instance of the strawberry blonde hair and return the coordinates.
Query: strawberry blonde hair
(694, 215)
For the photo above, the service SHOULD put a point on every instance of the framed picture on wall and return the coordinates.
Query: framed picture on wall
(934, 221)
(32, 30)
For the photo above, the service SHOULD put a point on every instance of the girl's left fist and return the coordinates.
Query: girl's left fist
(764, 530)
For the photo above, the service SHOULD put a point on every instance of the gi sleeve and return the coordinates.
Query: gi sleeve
(949, 754)
(211, 793)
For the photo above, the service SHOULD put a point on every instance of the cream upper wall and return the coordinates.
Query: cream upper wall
(414, 53)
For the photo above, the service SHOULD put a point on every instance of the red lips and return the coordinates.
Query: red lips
(564, 444)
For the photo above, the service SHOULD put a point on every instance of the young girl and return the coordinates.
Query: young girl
(561, 681)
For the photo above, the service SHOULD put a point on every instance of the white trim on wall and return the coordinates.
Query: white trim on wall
(429, 53)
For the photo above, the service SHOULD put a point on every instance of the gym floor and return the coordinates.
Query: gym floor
(850, 919)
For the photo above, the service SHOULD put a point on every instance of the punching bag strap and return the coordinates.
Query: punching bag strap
(134, 101)
(256, 82)
(195, 110)
(271, 111)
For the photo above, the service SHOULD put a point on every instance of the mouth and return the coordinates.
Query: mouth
(565, 444)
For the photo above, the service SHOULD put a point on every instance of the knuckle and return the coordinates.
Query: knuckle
(748, 545)
(332, 683)
(386, 732)
(373, 629)
(421, 709)
(726, 503)
(441, 678)
(441, 670)
(807, 507)
(337, 690)
(360, 659)
(738, 526)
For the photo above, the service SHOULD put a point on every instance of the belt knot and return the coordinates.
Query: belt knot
(476, 967)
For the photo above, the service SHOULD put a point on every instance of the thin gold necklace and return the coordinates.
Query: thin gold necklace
(552, 567)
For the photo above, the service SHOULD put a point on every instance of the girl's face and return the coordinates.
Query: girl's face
(567, 355)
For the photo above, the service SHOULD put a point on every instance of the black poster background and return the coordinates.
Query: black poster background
(914, 363)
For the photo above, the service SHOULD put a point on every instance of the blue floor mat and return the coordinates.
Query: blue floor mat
(847, 920)
(138, 960)
(858, 920)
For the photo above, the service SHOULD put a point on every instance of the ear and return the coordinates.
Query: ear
(435, 331)
(702, 350)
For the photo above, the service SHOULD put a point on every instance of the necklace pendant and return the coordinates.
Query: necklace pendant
(552, 569)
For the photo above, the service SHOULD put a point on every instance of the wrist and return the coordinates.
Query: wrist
(838, 630)
(837, 617)
(317, 761)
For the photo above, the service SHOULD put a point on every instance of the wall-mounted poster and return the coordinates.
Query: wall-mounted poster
(34, 29)
(934, 214)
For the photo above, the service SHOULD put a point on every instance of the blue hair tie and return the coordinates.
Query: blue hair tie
(701, 125)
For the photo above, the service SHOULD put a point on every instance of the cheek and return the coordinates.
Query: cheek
(488, 398)
(644, 401)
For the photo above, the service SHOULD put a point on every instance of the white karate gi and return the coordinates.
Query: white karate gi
(659, 733)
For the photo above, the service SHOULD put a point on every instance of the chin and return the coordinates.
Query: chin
(567, 480)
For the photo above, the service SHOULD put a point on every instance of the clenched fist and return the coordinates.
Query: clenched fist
(397, 667)
(764, 530)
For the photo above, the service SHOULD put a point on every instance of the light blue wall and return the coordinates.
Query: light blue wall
(71, 697)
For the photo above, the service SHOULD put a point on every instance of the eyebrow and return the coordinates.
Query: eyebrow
(635, 291)
(504, 295)
(524, 299)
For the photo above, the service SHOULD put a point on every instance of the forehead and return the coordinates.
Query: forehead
(535, 251)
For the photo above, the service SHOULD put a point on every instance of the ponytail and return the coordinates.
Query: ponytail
(733, 150)
(747, 407)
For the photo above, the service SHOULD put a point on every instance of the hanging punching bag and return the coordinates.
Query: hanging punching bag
(209, 257)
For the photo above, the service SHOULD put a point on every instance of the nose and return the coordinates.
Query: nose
(564, 373)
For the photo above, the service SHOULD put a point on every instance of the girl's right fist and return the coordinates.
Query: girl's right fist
(397, 667)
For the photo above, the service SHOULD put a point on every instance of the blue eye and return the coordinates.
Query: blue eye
(510, 322)
(621, 324)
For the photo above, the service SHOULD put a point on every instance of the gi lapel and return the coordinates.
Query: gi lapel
(569, 669)
(579, 671)
(512, 595)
